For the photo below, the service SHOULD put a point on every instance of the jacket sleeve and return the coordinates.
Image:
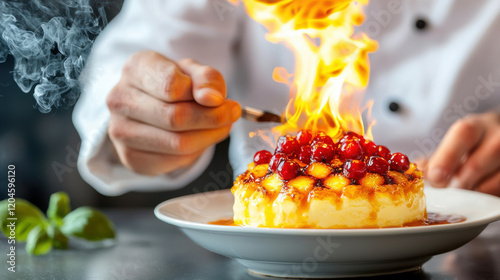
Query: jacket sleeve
(200, 29)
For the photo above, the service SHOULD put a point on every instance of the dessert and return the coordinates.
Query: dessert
(312, 181)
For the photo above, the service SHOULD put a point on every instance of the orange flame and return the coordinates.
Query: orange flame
(332, 65)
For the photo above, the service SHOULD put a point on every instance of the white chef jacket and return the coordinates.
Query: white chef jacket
(435, 74)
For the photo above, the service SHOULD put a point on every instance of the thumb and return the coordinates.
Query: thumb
(209, 87)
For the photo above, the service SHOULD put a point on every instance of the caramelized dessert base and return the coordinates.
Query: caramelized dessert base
(316, 182)
(329, 202)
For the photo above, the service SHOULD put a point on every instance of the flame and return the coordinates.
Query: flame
(332, 65)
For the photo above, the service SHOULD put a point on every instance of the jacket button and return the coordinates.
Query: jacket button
(420, 24)
(394, 107)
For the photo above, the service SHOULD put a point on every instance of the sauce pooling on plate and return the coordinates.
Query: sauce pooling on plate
(432, 219)
(437, 219)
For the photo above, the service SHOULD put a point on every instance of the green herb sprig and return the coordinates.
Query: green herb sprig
(41, 233)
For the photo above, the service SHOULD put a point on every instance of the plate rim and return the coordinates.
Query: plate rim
(184, 224)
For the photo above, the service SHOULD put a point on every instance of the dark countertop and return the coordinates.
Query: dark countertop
(147, 248)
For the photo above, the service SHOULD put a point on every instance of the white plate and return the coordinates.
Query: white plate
(324, 253)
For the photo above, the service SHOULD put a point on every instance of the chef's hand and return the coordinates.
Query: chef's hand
(165, 114)
(469, 154)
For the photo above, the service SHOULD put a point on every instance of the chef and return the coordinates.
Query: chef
(166, 81)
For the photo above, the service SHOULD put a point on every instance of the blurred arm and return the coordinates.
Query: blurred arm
(177, 29)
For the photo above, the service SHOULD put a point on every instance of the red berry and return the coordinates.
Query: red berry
(378, 165)
(370, 148)
(383, 151)
(354, 169)
(351, 150)
(275, 161)
(304, 137)
(350, 136)
(321, 137)
(288, 169)
(322, 152)
(262, 157)
(305, 154)
(287, 145)
(399, 162)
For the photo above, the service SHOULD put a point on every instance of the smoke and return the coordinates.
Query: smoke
(50, 42)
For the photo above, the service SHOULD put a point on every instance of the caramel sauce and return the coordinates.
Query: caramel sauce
(437, 219)
(223, 222)
(432, 219)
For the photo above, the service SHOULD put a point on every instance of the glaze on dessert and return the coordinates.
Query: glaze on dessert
(316, 182)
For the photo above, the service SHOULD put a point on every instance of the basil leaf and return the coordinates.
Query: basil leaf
(38, 242)
(28, 216)
(59, 240)
(88, 223)
(58, 207)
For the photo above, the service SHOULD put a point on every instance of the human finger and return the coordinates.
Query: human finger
(157, 76)
(491, 185)
(180, 116)
(144, 137)
(460, 140)
(482, 163)
(153, 164)
(209, 87)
